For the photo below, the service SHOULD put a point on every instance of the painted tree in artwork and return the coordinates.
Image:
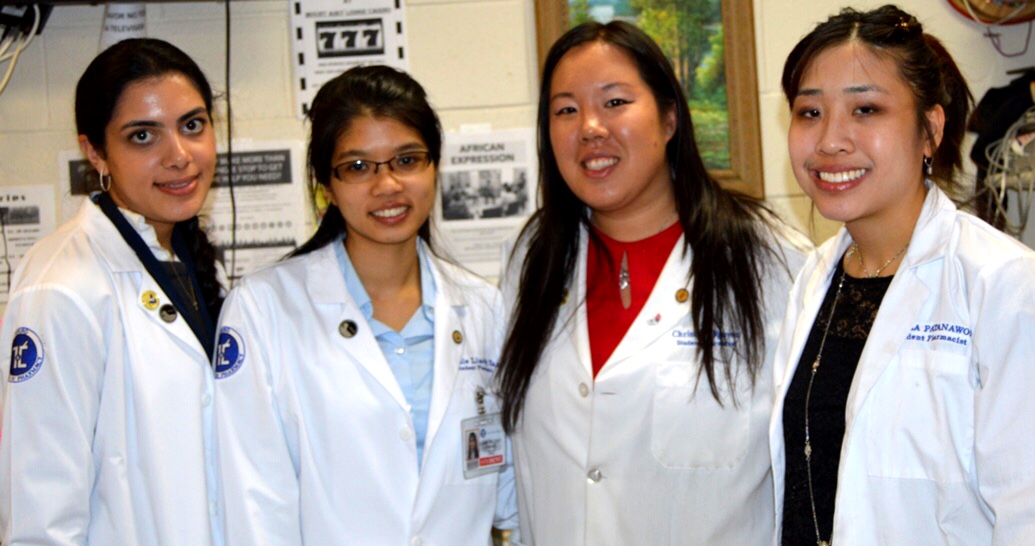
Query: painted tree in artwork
(684, 28)
(578, 12)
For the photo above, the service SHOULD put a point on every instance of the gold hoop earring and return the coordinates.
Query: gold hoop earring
(105, 182)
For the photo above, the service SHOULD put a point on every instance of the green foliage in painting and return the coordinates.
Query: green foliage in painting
(578, 12)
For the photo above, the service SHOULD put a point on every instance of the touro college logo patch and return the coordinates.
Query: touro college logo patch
(26, 355)
(229, 352)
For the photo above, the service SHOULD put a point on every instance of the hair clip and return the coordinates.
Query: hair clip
(902, 23)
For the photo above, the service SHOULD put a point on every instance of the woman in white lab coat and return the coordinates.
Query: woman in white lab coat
(629, 427)
(107, 402)
(904, 401)
(351, 375)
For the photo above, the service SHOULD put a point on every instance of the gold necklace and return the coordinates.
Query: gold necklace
(866, 272)
(808, 397)
(189, 287)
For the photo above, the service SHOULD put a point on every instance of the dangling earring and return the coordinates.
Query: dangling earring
(105, 182)
(928, 165)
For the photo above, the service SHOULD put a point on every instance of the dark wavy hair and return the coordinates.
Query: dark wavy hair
(724, 230)
(378, 91)
(97, 95)
(923, 63)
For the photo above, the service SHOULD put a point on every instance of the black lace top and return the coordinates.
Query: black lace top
(853, 317)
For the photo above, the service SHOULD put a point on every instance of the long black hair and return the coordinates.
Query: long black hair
(96, 96)
(923, 64)
(377, 91)
(723, 229)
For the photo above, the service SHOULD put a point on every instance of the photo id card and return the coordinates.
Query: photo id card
(484, 447)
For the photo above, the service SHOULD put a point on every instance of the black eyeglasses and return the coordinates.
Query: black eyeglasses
(359, 171)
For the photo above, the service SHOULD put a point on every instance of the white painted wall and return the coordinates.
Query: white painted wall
(476, 58)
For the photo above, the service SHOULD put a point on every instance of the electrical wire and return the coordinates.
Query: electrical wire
(230, 152)
(7, 251)
(1011, 167)
(22, 45)
(994, 36)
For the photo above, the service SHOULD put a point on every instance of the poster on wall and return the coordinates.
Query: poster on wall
(26, 216)
(487, 188)
(331, 36)
(272, 212)
(270, 202)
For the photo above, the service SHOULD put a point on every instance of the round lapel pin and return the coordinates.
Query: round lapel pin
(348, 329)
(149, 299)
(167, 313)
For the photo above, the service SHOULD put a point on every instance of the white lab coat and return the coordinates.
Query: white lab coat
(108, 442)
(639, 456)
(317, 444)
(939, 443)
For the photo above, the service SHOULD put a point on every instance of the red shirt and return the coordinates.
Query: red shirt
(608, 319)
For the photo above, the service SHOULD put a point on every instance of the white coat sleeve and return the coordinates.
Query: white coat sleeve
(46, 465)
(1002, 306)
(506, 500)
(259, 476)
(506, 516)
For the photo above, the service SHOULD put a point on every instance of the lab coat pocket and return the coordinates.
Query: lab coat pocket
(920, 421)
(689, 428)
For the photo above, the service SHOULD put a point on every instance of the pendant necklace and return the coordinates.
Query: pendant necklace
(624, 285)
(866, 272)
(808, 396)
(186, 288)
(190, 287)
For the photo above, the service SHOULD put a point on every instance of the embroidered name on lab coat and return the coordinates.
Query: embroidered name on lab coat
(940, 331)
(481, 363)
(688, 338)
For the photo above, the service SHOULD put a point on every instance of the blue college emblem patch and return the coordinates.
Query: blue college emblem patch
(26, 355)
(229, 352)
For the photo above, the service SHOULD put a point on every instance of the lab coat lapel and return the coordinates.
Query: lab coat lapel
(886, 336)
(662, 312)
(906, 296)
(326, 287)
(448, 351)
(178, 327)
(126, 267)
(572, 319)
(814, 293)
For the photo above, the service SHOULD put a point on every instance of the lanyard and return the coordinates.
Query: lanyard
(204, 331)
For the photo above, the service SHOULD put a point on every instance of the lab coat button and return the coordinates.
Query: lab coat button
(206, 399)
(213, 509)
(347, 328)
(583, 390)
(405, 434)
(457, 337)
(682, 295)
(594, 475)
(416, 541)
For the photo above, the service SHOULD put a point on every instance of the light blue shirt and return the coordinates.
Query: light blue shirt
(411, 352)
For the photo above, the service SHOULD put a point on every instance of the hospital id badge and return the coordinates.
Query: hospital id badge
(484, 445)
